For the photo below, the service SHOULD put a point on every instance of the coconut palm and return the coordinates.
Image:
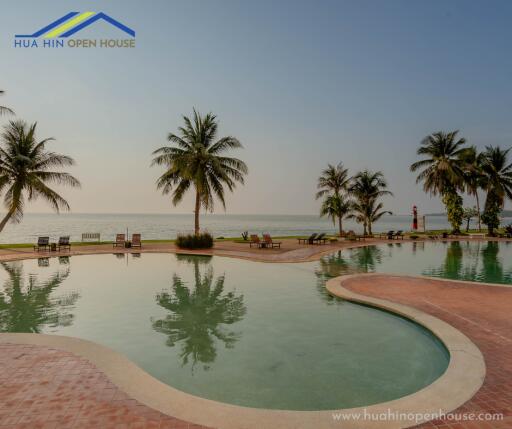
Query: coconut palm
(198, 160)
(473, 175)
(337, 208)
(26, 169)
(334, 180)
(332, 184)
(5, 110)
(497, 182)
(368, 213)
(367, 187)
(442, 171)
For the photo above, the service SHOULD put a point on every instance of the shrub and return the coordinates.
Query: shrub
(245, 235)
(414, 237)
(191, 241)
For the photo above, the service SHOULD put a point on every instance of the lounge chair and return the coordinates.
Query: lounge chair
(309, 239)
(64, 243)
(256, 240)
(386, 234)
(136, 242)
(399, 234)
(320, 239)
(42, 243)
(267, 239)
(120, 241)
(351, 235)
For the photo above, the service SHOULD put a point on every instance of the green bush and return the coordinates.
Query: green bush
(192, 241)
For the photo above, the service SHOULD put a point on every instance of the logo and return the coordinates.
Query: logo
(58, 33)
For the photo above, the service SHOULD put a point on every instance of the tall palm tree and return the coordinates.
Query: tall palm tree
(198, 160)
(368, 213)
(5, 110)
(473, 175)
(332, 184)
(442, 171)
(26, 168)
(497, 182)
(367, 187)
(337, 208)
(334, 180)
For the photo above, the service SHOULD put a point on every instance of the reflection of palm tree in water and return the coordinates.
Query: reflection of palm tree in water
(492, 268)
(361, 259)
(197, 315)
(453, 260)
(366, 258)
(28, 306)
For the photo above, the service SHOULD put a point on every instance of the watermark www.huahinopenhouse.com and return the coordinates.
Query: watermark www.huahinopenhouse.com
(416, 418)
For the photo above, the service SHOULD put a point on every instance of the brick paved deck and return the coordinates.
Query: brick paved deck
(481, 312)
(44, 388)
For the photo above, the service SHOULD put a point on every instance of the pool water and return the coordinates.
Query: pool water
(246, 333)
(478, 261)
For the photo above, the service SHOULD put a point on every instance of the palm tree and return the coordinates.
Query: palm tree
(367, 187)
(26, 167)
(3, 109)
(443, 171)
(473, 175)
(198, 160)
(497, 182)
(332, 184)
(334, 180)
(198, 316)
(337, 208)
(368, 213)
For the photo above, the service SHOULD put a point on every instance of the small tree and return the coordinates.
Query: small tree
(468, 214)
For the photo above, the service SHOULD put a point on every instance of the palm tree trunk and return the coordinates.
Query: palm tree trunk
(340, 224)
(5, 220)
(478, 208)
(369, 228)
(196, 213)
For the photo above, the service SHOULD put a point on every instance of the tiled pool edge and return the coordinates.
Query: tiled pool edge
(461, 380)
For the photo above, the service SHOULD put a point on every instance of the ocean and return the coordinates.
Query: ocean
(167, 226)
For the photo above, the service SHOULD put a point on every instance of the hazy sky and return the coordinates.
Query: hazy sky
(299, 83)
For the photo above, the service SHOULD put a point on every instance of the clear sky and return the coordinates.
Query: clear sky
(299, 83)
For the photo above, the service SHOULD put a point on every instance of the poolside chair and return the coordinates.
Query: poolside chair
(399, 234)
(255, 240)
(320, 239)
(267, 239)
(385, 234)
(309, 239)
(42, 243)
(120, 240)
(136, 242)
(64, 243)
(352, 236)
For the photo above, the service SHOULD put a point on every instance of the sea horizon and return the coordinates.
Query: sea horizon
(166, 226)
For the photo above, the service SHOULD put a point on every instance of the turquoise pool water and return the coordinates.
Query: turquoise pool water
(241, 332)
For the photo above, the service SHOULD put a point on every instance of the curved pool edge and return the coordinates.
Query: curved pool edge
(463, 377)
(466, 370)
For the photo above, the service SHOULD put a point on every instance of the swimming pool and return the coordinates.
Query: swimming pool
(241, 332)
(478, 261)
